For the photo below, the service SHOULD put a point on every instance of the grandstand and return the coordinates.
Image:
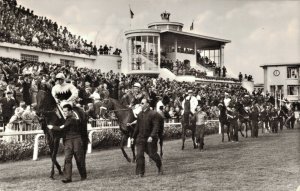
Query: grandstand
(27, 36)
(182, 56)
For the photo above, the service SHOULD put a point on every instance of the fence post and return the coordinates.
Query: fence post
(89, 150)
(36, 146)
(220, 128)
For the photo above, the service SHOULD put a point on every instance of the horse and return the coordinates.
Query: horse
(50, 114)
(188, 122)
(124, 116)
(223, 119)
(243, 118)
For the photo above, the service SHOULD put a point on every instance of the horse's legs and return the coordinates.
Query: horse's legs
(124, 138)
(229, 132)
(183, 135)
(222, 131)
(133, 152)
(51, 147)
(161, 142)
(246, 130)
(53, 157)
(193, 137)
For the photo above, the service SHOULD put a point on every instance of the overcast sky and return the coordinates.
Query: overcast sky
(261, 31)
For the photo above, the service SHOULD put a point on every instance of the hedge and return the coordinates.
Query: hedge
(14, 151)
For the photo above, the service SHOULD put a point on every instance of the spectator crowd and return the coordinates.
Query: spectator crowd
(21, 80)
(22, 26)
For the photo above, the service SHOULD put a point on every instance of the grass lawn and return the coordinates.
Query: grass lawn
(267, 163)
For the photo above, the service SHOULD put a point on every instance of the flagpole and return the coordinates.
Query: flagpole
(130, 16)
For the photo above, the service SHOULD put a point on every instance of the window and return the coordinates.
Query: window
(293, 90)
(28, 57)
(292, 72)
(67, 62)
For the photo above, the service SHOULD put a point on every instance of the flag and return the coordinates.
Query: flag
(192, 26)
(131, 14)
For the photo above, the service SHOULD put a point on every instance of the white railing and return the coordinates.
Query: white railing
(26, 131)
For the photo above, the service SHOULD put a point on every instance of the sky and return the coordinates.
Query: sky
(261, 32)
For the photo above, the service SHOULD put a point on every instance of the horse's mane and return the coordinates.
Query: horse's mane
(118, 104)
(45, 100)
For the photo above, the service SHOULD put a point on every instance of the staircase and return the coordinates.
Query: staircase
(150, 64)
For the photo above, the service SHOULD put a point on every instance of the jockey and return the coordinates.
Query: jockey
(138, 95)
(64, 92)
(226, 99)
(189, 104)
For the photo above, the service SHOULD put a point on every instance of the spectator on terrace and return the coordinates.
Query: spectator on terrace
(240, 77)
(224, 71)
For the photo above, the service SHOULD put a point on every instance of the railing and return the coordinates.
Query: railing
(23, 131)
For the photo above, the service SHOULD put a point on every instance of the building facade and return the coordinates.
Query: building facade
(282, 80)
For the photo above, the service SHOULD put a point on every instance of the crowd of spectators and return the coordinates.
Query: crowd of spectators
(22, 26)
(220, 72)
(181, 68)
(205, 61)
(23, 79)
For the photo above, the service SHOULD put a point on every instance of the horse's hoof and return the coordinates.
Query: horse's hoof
(52, 178)
(182, 148)
(129, 160)
(61, 173)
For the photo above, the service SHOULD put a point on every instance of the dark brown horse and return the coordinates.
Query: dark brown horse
(224, 122)
(188, 122)
(125, 115)
(49, 114)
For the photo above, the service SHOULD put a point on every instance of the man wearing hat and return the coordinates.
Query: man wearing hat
(8, 106)
(189, 105)
(138, 95)
(64, 92)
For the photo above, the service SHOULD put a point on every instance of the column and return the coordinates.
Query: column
(275, 95)
(129, 53)
(158, 53)
(175, 53)
(222, 55)
(195, 54)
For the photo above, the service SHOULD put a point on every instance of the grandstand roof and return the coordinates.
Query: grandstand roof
(280, 64)
(196, 36)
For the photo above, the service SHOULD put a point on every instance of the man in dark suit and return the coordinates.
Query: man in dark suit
(73, 144)
(254, 116)
(146, 135)
(8, 104)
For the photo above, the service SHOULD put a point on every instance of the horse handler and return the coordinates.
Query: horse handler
(146, 136)
(201, 118)
(73, 145)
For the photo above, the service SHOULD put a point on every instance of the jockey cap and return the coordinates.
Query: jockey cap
(60, 76)
(138, 85)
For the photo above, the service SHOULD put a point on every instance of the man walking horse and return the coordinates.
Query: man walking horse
(54, 120)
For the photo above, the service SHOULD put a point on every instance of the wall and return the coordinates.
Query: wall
(103, 62)
(165, 73)
(186, 78)
(191, 57)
